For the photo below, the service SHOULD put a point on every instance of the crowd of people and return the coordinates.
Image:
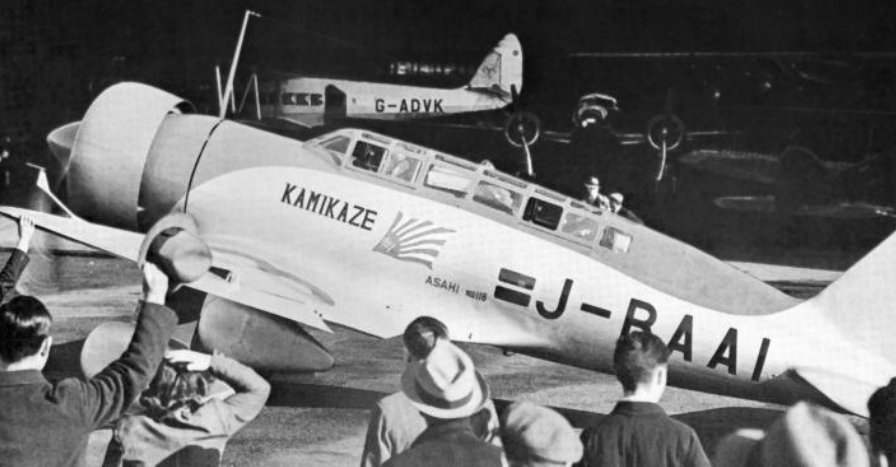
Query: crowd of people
(173, 406)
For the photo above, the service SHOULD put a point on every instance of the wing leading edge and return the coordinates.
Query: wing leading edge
(125, 244)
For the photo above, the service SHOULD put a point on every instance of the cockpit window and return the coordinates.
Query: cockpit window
(367, 156)
(498, 197)
(337, 144)
(579, 226)
(453, 180)
(543, 213)
(401, 166)
(616, 240)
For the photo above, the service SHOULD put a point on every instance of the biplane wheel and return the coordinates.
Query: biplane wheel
(668, 128)
(522, 128)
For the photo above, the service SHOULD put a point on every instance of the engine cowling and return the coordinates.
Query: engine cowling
(120, 126)
(131, 160)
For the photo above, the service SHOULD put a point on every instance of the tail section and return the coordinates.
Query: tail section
(502, 68)
(858, 356)
(862, 303)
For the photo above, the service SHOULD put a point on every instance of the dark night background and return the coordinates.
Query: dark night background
(56, 55)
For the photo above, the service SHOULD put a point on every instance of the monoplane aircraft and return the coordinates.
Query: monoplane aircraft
(361, 230)
(313, 101)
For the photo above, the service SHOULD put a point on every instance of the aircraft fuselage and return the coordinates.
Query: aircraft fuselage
(308, 100)
(387, 250)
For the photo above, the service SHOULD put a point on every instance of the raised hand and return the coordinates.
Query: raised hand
(26, 231)
(194, 361)
(155, 284)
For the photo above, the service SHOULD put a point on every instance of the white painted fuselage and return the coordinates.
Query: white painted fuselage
(304, 100)
(496, 278)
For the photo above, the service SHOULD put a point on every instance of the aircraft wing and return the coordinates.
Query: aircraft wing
(232, 286)
(254, 265)
(843, 210)
(741, 165)
(241, 276)
(745, 165)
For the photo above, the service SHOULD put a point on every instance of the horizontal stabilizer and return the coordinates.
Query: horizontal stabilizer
(849, 394)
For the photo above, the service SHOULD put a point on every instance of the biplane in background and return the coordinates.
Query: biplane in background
(365, 231)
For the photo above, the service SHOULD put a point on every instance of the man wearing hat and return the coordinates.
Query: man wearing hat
(43, 423)
(638, 431)
(536, 436)
(616, 199)
(447, 390)
(593, 196)
(806, 436)
(395, 423)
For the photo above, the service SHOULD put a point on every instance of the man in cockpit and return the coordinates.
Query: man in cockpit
(593, 196)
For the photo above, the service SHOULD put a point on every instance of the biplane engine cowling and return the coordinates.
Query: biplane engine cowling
(110, 150)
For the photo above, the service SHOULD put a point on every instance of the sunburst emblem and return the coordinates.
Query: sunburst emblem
(413, 240)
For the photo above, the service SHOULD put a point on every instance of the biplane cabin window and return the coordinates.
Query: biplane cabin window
(616, 240)
(401, 166)
(367, 156)
(454, 180)
(543, 213)
(579, 226)
(497, 197)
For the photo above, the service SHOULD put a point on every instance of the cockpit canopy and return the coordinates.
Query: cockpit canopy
(489, 191)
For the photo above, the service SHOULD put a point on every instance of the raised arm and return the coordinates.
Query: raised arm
(107, 395)
(16, 263)
(252, 390)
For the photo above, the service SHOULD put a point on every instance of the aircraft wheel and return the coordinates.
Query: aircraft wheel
(522, 129)
(666, 128)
